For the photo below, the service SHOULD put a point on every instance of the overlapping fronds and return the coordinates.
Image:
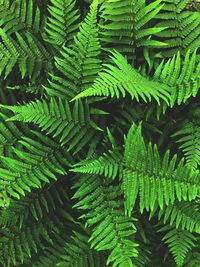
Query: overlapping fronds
(183, 76)
(99, 133)
(78, 253)
(192, 259)
(15, 246)
(182, 26)
(72, 125)
(34, 164)
(152, 178)
(33, 207)
(125, 25)
(189, 139)
(19, 16)
(28, 53)
(18, 246)
(108, 165)
(179, 242)
(183, 215)
(120, 79)
(79, 64)
(62, 24)
(111, 229)
(9, 134)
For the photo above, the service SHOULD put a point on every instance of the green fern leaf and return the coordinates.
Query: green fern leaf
(182, 27)
(108, 165)
(190, 142)
(20, 16)
(152, 178)
(62, 22)
(183, 76)
(34, 165)
(179, 242)
(111, 228)
(125, 25)
(78, 253)
(122, 79)
(33, 207)
(184, 215)
(79, 63)
(29, 54)
(73, 125)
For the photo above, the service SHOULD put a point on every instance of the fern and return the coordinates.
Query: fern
(125, 25)
(38, 163)
(99, 133)
(29, 54)
(182, 27)
(33, 207)
(152, 178)
(62, 24)
(79, 63)
(117, 81)
(19, 16)
(77, 253)
(190, 139)
(111, 228)
(73, 126)
(183, 215)
(179, 242)
(182, 77)
(10, 134)
(108, 165)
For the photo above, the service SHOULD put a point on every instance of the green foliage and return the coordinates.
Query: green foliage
(125, 25)
(79, 63)
(62, 24)
(99, 133)
(111, 228)
(182, 26)
(183, 77)
(59, 119)
(184, 215)
(123, 79)
(190, 141)
(79, 253)
(179, 243)
(20, 15)
(28, 53)
(152, 178)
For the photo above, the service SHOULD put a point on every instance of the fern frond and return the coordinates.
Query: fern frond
(126, 26)
(10, 134)
(182, 31)
(108, 165)
(28, 53)
(192, 259)
(111, 229)
(152, 178)
(78, 253)
(184, 215)
(179, 242)
(17, 245)
(32, 166)
(80, 63)
(62, 22)
(72, 124)
(183, 76)
(20, 16)
(121, 79)
(33, 207)
(189, 137)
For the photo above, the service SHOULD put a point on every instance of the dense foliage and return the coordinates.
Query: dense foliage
(99, 133)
